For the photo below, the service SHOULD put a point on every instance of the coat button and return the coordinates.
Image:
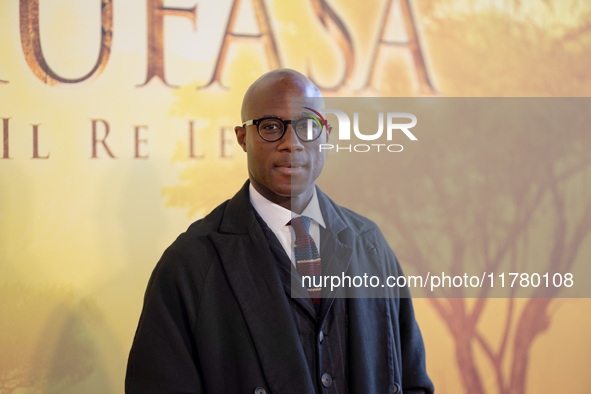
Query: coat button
(326, 380)
(396, 389)
(321, 337)
(260, 390)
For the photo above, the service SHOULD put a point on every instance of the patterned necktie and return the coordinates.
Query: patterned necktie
(307, 257)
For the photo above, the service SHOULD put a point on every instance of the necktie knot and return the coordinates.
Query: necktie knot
(301, 225)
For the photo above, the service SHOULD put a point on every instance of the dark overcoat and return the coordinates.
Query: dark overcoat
(216, 317)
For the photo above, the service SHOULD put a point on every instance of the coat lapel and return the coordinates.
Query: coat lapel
(251, 270)
(336, 247)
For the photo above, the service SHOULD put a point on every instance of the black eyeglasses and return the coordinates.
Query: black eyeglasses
(272, 128)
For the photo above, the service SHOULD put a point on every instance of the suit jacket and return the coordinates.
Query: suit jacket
(216, 318)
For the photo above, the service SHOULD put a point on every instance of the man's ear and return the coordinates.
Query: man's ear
(241, 136)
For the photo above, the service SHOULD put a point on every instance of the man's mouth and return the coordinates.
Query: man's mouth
(290, 168)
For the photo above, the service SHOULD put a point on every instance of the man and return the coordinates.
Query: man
(219, 315)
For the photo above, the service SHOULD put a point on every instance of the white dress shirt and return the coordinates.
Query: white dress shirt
(277, 218)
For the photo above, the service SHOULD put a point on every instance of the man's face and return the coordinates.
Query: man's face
(286, 168)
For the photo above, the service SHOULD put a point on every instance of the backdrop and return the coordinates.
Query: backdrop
(117, 132)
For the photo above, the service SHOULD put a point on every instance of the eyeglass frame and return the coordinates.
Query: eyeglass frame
(257, 122)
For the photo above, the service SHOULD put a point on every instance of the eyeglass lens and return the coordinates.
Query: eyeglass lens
(306, 128)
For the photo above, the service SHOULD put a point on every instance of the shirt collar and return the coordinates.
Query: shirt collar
(276, 216)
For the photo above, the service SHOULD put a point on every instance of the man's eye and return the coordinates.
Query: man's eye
(271, 127)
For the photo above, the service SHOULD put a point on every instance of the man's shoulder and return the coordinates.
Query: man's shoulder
(210, 222)
(202, 228)
(356, 222)
(192, 252)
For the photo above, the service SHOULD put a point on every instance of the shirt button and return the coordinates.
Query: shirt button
(260, 390)
(396, 388)
(321, 337)
(326, 380)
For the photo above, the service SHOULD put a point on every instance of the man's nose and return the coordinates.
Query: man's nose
(290, 140)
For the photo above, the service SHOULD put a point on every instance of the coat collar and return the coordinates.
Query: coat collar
(239, 215)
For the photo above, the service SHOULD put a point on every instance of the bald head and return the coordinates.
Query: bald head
(283, 83)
